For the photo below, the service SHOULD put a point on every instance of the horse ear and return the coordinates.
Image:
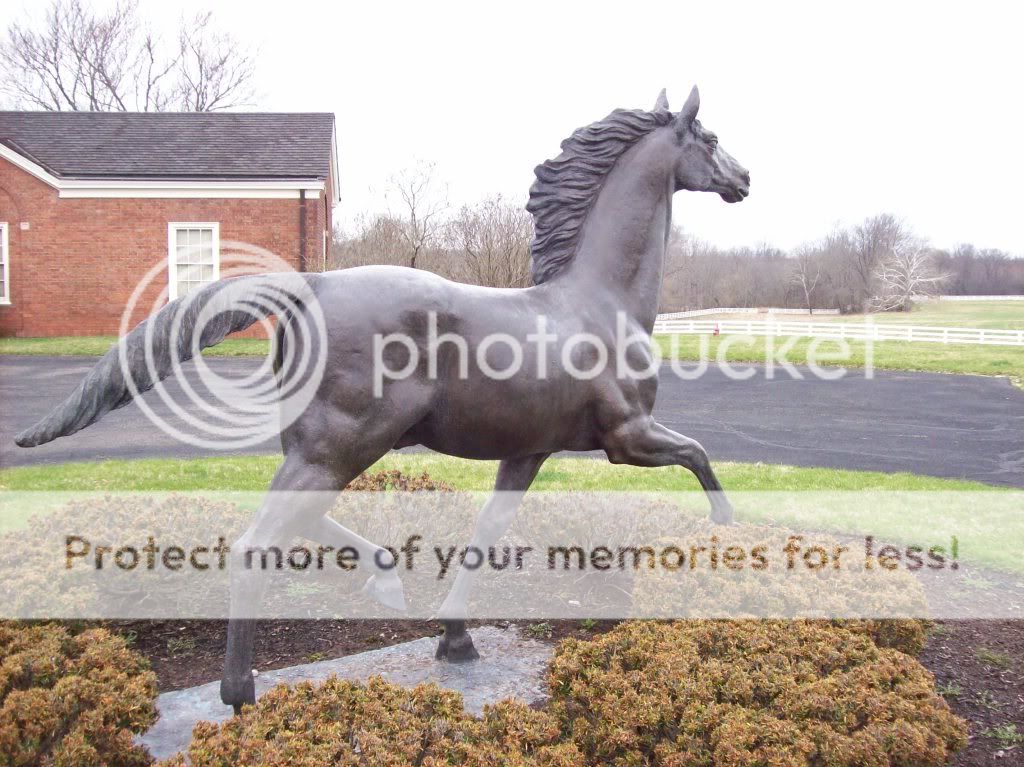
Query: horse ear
(688, 113)
(662, 102)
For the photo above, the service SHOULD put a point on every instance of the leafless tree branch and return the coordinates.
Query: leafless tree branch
(80, 59)
(421, 203)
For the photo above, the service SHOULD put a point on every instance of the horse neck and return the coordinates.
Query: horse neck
(621, 252)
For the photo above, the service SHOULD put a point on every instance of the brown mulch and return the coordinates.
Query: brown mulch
(978, 665)
(979, 668)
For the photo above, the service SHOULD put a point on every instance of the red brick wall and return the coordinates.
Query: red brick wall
(77, 262)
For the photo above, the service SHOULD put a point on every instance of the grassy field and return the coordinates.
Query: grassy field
(94, 346)
(888, 355)
(1006, 315)
(932, 516)
(255, 472)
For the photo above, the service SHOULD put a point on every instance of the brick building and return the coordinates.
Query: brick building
(91, 202)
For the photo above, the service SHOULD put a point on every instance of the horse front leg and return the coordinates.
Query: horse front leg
(514, 477)
(645, 442)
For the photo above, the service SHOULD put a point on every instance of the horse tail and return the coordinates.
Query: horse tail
(150, 352)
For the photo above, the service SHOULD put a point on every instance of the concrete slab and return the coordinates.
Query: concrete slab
(510, 666)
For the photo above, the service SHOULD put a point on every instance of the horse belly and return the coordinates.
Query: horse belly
(495, 419)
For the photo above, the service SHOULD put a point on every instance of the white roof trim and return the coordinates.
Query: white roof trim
(335, 170)
(28, 166)
(79, 188)
(185, 189)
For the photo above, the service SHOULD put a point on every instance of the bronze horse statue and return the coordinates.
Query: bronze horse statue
(602, 212)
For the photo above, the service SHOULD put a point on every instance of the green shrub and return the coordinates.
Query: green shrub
(907, 635)
(776, 591)
(394, 479)
(71, 700)
(748, 694)
(340, 722)
(672, 694)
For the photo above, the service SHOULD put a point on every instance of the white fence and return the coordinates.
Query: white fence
(744, 310)
(860, 331)
(975, 298)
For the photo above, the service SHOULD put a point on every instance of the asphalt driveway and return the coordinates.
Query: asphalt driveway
(943, 425)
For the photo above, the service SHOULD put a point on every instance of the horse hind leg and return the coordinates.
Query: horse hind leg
(301, 493)
(384, 585)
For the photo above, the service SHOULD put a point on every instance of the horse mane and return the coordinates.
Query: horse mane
(567, 186)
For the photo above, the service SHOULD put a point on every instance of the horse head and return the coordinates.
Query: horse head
(702, 165)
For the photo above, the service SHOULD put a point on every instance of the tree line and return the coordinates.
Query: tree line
(880, 264)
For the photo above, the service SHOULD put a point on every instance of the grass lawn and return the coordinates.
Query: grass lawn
(932, 516)
(95, 346)
(888, 355)
(1004, 315)
(254, 473)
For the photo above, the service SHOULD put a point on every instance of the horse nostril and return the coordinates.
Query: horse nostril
(746, 177)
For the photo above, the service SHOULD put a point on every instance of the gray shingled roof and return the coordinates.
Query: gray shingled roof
(173, 145)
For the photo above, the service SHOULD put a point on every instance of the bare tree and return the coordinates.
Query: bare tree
(690, 266)
(421, 203)
(211, 74)
(872, 242)
(376, 240)
(807, 273)
(908, 272)
(79, 59)
(491, 242)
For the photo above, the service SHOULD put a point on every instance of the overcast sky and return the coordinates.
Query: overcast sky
(914, 109)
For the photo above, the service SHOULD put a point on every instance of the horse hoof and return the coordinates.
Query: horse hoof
(388, 591)
(459, 649)
(238, 693)
(722, 516)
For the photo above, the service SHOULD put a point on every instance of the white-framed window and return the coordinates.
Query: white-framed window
(5, 266)
(193, 256)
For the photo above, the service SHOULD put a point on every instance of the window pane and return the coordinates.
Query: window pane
(194, 256)
(3, 264)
